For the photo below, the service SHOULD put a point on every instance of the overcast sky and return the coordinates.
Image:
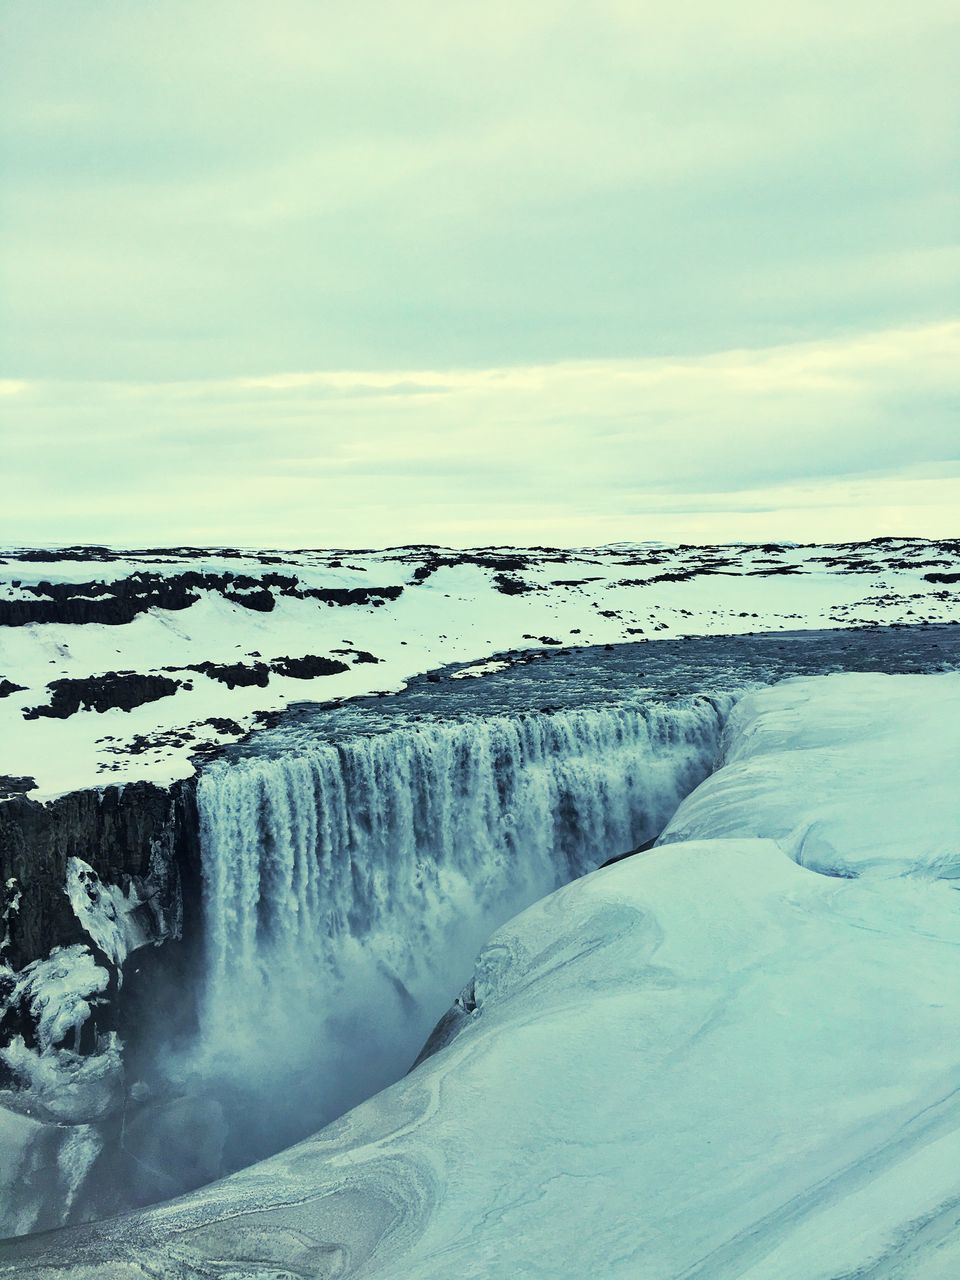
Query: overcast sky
(339, 274)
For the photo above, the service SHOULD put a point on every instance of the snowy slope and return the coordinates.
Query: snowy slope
(705, 1062)
(100, 649)
(835, 771)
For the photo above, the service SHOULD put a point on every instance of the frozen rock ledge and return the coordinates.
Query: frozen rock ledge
(708, 1061)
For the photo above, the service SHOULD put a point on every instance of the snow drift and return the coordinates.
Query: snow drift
(852, 774)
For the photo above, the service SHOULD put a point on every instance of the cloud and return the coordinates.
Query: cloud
(217, 190)
(786, 440)
(369, 272)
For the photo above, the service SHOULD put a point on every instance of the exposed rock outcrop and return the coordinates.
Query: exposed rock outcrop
(138, 832)
(123, 689)
(121, 600)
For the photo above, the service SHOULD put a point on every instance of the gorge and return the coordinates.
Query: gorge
(200, 971)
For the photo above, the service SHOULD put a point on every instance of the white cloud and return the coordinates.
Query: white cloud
(854, 435)
(371, 273)
(204, 191)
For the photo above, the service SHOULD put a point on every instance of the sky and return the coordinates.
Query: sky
(315, 274)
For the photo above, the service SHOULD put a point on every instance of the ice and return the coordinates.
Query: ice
(105, 911)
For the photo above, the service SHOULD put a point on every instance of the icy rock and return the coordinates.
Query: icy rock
(60, 1085)
(55, 998)
(59, 992)
(106, 913)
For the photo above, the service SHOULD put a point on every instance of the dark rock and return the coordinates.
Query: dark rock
(234, 674)
(15, 786)
(308, 667)
(118, 602)
(350, 595)
(224, 725)
(262, 601)
(509, 586)
(641, 848)
(102, 693)
(462, 1011)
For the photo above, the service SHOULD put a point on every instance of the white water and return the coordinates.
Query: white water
(348, 888)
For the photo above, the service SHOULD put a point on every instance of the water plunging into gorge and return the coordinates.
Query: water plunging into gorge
(349, 886)
(337, 873)
(356, 858)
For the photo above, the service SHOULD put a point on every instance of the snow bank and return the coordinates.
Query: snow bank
(705, 1062)
(851, 774)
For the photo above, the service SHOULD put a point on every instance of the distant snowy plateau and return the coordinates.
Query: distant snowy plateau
(705, 923)
(120, 665)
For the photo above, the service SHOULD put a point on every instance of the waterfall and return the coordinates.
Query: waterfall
(349, 886)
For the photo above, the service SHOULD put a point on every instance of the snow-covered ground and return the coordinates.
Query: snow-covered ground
(86, 616)
(708, 1061)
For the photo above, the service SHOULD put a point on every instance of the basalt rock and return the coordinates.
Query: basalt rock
(138, 832)
(125, 690)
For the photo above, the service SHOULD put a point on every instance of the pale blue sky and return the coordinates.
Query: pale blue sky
(591, 259)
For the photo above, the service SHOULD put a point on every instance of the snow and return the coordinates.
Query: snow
(708, 1061)
(835, 769)
(58, 991)
(456, 614)
(104, 911)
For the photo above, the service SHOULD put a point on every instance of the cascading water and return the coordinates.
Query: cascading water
(355, 860)
(349, 886)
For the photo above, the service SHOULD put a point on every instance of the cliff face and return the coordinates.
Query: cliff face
(138, 846)
(113, 875)
(139, 833)
(100, 903)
